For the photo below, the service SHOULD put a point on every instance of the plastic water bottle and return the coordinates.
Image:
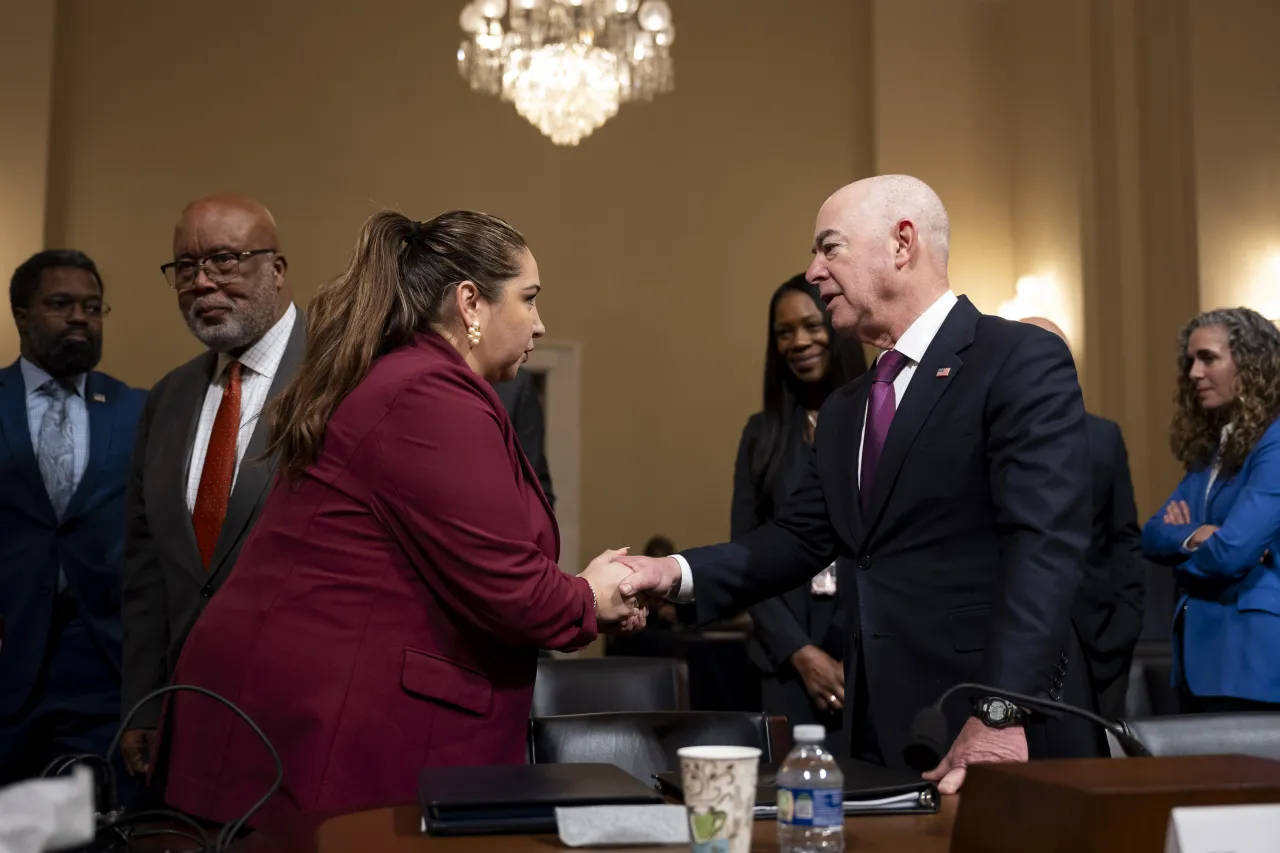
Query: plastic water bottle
(810, 797)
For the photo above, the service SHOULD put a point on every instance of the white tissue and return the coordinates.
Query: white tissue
(47, 814)
(604, 826)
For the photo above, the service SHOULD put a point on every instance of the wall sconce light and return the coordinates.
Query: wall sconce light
(1266, 289)
(1038, 296)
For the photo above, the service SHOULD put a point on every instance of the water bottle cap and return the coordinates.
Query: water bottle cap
(809, 734)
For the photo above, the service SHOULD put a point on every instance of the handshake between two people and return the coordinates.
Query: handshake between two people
(626, 586)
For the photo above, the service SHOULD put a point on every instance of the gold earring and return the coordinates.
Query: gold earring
(473, 333)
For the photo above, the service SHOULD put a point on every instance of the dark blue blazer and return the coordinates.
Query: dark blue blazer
(1231, 622)
(966, 564)
(88, 542)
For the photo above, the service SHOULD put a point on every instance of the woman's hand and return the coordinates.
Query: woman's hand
(823, 677)
(1203, 532)
(1177, 512)
(604, 575)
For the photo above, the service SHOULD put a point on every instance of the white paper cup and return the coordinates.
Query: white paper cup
(720, 796)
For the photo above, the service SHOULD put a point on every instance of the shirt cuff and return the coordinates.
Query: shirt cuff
(685, 594)
(1186, 544)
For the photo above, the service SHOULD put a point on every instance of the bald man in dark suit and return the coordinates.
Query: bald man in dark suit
(1107, 613)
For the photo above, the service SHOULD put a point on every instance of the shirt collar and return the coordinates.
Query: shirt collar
(262, 358)
(36, 377)
(916, 339)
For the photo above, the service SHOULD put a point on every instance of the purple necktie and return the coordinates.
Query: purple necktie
(881, 405)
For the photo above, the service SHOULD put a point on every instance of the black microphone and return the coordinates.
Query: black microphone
(927, 740)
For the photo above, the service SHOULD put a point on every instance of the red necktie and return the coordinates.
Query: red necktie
(219, 468)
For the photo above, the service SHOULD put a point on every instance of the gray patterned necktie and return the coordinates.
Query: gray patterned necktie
(56, 456)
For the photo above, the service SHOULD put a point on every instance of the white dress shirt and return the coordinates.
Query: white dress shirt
(913, 344)
(1208, 489)
(258, 366)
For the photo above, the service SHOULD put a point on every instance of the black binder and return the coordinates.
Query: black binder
(519, 798)
(868, 789)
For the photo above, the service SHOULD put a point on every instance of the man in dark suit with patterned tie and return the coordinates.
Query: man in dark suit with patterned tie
(953, 480)
(65, 435)
(197, 480)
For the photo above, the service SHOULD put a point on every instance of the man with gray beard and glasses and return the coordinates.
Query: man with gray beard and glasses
(197, 481)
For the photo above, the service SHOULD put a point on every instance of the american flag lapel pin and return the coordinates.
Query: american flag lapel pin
(943, 372)
(99, 398)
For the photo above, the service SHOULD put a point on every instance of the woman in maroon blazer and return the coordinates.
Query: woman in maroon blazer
(387, 612)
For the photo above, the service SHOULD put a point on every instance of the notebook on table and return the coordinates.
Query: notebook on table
(868, 789)
(519, 798)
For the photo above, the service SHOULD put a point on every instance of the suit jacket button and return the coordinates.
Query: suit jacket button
(206, 592)
(864, 563)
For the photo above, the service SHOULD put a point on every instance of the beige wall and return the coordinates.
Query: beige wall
(941, 114)
(1236, 91)
(658, 238)
(1058, 132)
(26, 79)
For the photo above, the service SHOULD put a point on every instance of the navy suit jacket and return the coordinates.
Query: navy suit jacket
(967, 562)
(1231, 609)
(88, 542)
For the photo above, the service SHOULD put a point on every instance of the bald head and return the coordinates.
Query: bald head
(880, 255)
(1049, 326)
(232, 216)
(240, 290)
(880, 203)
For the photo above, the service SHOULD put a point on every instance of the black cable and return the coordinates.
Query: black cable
(202, 840)
(58, 765)
(149, 814)
(228, 833)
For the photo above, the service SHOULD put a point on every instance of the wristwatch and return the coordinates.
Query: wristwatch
(998, 713)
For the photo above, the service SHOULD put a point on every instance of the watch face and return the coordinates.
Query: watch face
(997, 711)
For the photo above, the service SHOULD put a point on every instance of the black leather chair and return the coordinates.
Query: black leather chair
(598, 685)
(1151, 693)
(1256, 733)
(642, 744)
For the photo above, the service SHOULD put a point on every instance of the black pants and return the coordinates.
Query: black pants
(73, 708)
(864, 745)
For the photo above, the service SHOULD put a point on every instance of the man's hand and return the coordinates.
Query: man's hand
(978, 744)
(1177, 512)
(1203, 532)
(604, 574)
(654, 576)
(823, 677)
(138, 747)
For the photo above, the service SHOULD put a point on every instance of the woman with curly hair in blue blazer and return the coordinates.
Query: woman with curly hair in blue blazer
(1219, 529)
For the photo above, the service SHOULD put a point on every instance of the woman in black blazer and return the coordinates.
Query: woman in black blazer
(797, 637)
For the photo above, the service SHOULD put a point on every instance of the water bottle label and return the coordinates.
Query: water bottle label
(810, 807)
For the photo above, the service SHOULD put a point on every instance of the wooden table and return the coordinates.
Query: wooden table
(394, 830)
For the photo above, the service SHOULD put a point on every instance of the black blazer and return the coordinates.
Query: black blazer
(166, 586)
(967, 563)
(519, 397)
(1108, 608)
(781, 626)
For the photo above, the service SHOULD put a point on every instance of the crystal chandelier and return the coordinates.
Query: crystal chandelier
(567, 65)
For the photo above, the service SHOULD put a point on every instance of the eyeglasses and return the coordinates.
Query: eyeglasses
(219, 268)
(65, 306)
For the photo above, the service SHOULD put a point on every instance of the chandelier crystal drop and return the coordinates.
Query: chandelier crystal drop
(567, 65)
